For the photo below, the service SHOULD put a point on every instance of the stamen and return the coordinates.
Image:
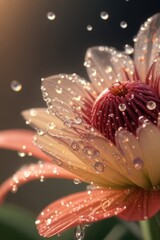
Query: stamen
(122, 105)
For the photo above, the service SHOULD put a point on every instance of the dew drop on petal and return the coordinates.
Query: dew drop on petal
(40, 132)
(99, 167)
(91, 151)
(78, 120)
(89, 28)
(123, 24)
(58, 89)
(138, 163)
(76, 181)
(16, 86)
(122, 107)
(37, 222)
(75, 146)
(128, 49)
(33, 112)
(51, 16)
(151, 105)
(104, 15)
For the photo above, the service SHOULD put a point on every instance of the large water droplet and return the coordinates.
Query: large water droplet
(99, 167)
(16, 86)
(138, 163)
(51, 16)
(123, 24)
(151, 105)
(104, 15)
(91, 151)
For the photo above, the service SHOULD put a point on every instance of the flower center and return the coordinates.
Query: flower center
(122, 105)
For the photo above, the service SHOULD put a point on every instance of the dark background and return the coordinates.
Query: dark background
(32, 47)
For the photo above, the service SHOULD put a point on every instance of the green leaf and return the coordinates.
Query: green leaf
(17, 224)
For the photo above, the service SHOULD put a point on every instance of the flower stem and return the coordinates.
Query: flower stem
(151, 228)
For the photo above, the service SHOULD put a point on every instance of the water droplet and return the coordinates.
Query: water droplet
(99, 167)
(104, 15)
(79, 232)
(14, 188)
(151, 105)
(78, 120)
(135, 39)
(89, 28)
(128, 49)
(91, 151)
(122, 107)
(37, 222)
(16, 86)
(76, 181)
(138, 163)
(40, 132)
(21, 154)
(51, 16)
(108, 69)
(33, 112)
(42, 178)
(58, 89)
(48, 222)
(123, 24)
(75, 146)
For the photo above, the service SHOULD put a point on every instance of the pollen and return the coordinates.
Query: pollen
(122, 105)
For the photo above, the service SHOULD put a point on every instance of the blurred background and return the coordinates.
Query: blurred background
(39, 38)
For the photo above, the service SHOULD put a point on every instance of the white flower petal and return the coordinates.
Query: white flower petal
(147, 45)
(79, 149)
(106, 65)
(149, 139)
(68, 95)
(134, 166)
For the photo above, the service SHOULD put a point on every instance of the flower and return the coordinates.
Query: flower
(105, 133)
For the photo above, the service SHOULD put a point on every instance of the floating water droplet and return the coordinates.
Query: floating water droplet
(122, 107)
(104, 15)
(99, 167)
(128, 49)
(51, 16)
(138, 163)
(123, 24)
(91, 151)
(151, 105)
(89, 28)
(75, 146)
(16, 86)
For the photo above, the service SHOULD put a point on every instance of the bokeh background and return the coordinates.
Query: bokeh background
(32, 47)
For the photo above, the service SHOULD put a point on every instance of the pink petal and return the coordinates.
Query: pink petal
(33, 172)
(21, 140)
(153, 77)
(141, 205)
(147, 45)
(79, 208)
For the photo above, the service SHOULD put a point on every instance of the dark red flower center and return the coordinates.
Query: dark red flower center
(122, 105)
